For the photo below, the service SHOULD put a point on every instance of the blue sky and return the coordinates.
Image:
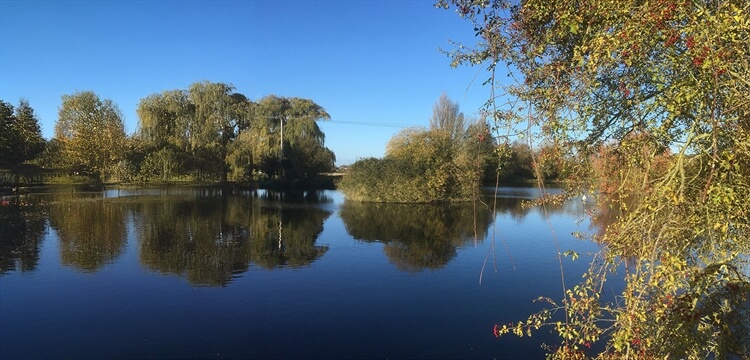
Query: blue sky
(364, 61)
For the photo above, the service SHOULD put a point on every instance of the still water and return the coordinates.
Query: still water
(212, 273)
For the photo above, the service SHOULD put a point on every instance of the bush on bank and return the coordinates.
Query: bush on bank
(420, 166)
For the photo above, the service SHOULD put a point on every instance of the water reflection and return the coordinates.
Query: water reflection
(295, 197)
(417, 237)
(22, 229)
(92, 231)
(210, 239)
(189, 238)
(284, 231)
(207, 235)
(516, 202)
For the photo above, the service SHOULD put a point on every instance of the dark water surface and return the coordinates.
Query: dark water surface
(205, 273)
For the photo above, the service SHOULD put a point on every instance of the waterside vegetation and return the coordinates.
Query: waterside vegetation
(649, 101)
(442, 163)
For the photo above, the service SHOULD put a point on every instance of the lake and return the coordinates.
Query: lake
(212, 273)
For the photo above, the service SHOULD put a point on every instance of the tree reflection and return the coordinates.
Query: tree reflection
(417, 236)
(91, 231)
(21, 232)
(286, 236)
(211, 239)
(193, 238)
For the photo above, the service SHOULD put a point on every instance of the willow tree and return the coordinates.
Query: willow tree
(284, 134)
(193, 127)
(637, 77)
(164, 119)
(91, 133)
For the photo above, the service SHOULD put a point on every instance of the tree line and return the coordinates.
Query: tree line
(206, 133)
(211, 133)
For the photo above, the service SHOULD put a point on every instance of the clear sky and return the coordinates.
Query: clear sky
(374, 65)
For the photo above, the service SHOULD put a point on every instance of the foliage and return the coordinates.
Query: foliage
(90, 132)
(20, 136)
(197, 125)
(212, 132)
(160, 164)
(517, 162)
(284, 139)
(307, 158)
(52, 155)
(420, 166)
(206, 133)
(649, 101)
(424, 165)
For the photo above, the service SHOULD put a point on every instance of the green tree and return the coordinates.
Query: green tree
(282, 127)
(307, 158)
(240, 158)
(52, 156)
(91, 133)
(197, 125)
(517, 162)
(219, 114)
(639, 77)
(7, 121)
(20, 136)
(165, 118)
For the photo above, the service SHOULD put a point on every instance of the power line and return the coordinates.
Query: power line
(364, 123)
(357, 123)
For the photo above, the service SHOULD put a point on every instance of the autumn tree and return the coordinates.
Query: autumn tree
(438, 164)
(91, 133)
(638, 77)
